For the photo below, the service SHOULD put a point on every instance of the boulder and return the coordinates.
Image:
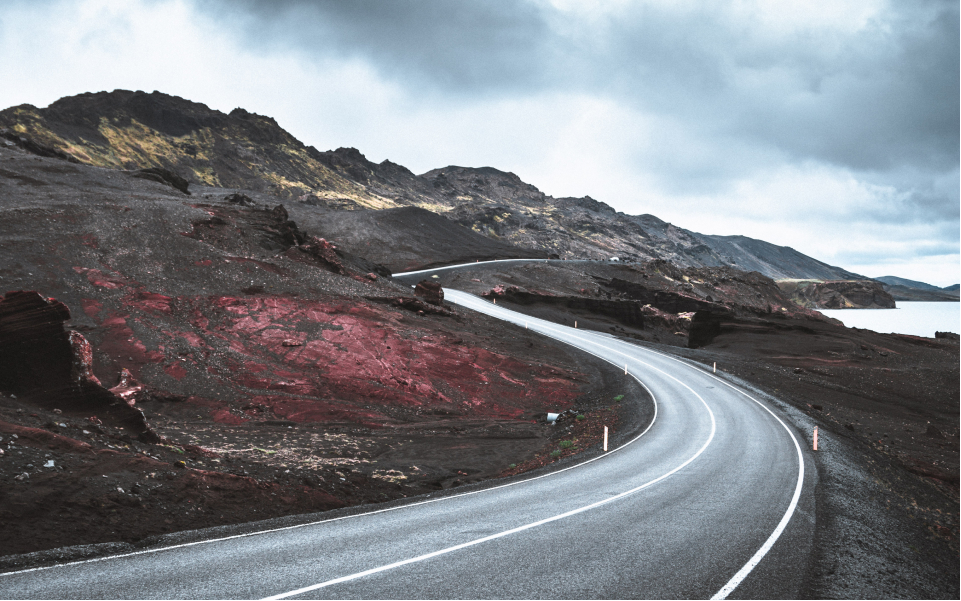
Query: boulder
(240, 199)
(323, 254)
(432, 292)
(705, 327)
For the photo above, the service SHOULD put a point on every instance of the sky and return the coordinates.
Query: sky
(831, 127)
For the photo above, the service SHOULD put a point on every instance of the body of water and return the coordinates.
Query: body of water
(917, 319)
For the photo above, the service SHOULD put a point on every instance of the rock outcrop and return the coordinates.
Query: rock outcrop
(42, 361)
(432, 292)
(629, 313)
(838, 294)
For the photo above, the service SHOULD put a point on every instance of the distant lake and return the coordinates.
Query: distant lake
(917, 319)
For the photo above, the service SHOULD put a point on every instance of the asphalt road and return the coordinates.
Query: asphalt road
(713, 499)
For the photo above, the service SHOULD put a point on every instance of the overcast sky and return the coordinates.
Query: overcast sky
(831, 127)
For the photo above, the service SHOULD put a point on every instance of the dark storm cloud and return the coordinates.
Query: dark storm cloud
(458, 47)
(890, 99)
(887, 96)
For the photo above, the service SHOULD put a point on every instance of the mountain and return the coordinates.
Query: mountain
(135, 130)
(910, 290)
(241, 150)
(777, 262)
(891, 280)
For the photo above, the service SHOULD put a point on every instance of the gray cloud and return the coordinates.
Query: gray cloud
(882, 97)
(457, 47)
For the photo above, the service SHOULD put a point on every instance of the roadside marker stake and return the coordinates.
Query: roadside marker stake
(715, 367)
(815, 438)
(575, 323)
(605, 439)
(495, 301)
(625, 369)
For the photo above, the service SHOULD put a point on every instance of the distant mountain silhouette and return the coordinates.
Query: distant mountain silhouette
(910, 290)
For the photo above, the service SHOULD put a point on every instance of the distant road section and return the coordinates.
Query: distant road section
(712, 500)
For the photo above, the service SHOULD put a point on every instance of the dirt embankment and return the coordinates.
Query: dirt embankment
(887, 409)
(280, 373)
(654, 301)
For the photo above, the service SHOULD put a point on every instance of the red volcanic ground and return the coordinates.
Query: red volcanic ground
(307, 360)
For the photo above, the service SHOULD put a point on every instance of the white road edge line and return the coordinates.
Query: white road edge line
(721, 594)
(358, 515)
(406, 273)
(741, 574)
(567, 514)
(485, 539)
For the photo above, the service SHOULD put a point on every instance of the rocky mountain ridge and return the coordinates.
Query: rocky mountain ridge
(136, 130)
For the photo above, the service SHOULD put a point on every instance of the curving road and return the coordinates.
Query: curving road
(712, 500)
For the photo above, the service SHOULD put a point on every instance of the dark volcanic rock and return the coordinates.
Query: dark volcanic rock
(705, 327)
(324, 254)
(431, 292)
(629, 313)
(240, 199)
(671, 302)
(164, 176)
(947, 336)
(42, 361)
(35, 351)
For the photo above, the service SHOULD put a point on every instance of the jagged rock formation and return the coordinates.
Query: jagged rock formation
(136, 130)
(844, 294)
(39, 359)
(432, 292)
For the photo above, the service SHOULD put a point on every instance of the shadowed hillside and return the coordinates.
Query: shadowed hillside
(241, 150)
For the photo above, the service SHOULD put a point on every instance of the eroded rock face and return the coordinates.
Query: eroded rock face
(324, 254)
(42, 361)
(629, 313)
(35, 351)
(431, 292)
(82, 359)
(705, 327)
(839, 294)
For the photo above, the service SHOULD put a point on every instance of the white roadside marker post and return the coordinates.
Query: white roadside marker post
(625, 369)
(495, 301)
(575, 324)
(605, 439)
(815, 438)
(715, 367)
